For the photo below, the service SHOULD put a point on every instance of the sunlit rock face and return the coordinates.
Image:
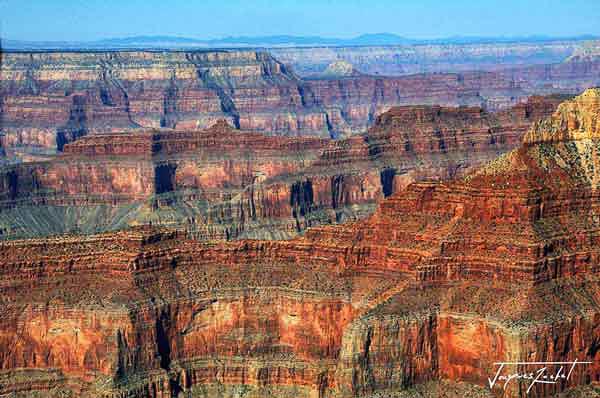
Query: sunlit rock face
(225, 183)
(445, 280)
(52, 98)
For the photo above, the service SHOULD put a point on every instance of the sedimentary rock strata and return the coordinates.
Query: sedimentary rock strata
(442, 282)
(523, 212)
(223, 183)
(51, 98)
(108, 181)
(410, 59)
(405, 144)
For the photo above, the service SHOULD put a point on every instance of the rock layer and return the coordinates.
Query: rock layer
(410, 59)
(223, 183)
(51, 98)
(443, 281)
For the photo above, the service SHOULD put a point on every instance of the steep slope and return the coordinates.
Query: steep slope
(52, 98)
(527, 216)
(222, 183)
(110, 181)
(406, 144)
(588, 51)
(442, 282)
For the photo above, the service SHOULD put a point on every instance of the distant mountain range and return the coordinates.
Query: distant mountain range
(174, 42)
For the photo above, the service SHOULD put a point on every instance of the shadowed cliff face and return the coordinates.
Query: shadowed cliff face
(387, 181)
(76, 126)
(221, 183)
(301, 197)
(442, 282)
(164, 178)
(50, 99)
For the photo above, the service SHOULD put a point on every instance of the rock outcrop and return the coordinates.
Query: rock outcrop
(406, 144)
(51, 98)
(520, 218)
(340, 69)
(444, 281)
(114, 180)
(588, 51)
(410, 59)
(220, 183)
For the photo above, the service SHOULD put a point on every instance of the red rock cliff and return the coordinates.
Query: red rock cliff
(443, 281)
(223, 183)
(51, 98)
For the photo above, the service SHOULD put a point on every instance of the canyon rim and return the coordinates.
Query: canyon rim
(252, 199)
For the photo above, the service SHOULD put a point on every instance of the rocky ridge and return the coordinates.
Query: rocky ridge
(444, 280)
(394, 60)
(221, 183)
(340, 69)
(51, 98)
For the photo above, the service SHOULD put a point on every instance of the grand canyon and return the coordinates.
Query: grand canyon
(327, 219)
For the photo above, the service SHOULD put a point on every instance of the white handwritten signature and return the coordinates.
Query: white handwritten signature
(540, 376)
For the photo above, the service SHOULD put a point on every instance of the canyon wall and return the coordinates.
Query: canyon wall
(146, 313)
(444, 281)
(52, 98)
(412, 59)
(221, 183)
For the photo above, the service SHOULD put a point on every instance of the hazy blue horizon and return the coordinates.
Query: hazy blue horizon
(418, 40)
(77, 20)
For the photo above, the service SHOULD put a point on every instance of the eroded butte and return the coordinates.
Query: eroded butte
(441, 282)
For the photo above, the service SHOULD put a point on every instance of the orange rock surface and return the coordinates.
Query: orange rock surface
(223, 183)
(52, 98)
(442, 282)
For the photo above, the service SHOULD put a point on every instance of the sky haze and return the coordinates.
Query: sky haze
(79, 20)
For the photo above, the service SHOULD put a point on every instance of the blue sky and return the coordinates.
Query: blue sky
(207, 19)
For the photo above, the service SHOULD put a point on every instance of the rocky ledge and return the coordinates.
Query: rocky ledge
(444, 281)
(224, 183)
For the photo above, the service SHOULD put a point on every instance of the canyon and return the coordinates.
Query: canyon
(424, 296)
(397, 60)
(327, 222)
(52, 98)
(382, 54)
(223, 183)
